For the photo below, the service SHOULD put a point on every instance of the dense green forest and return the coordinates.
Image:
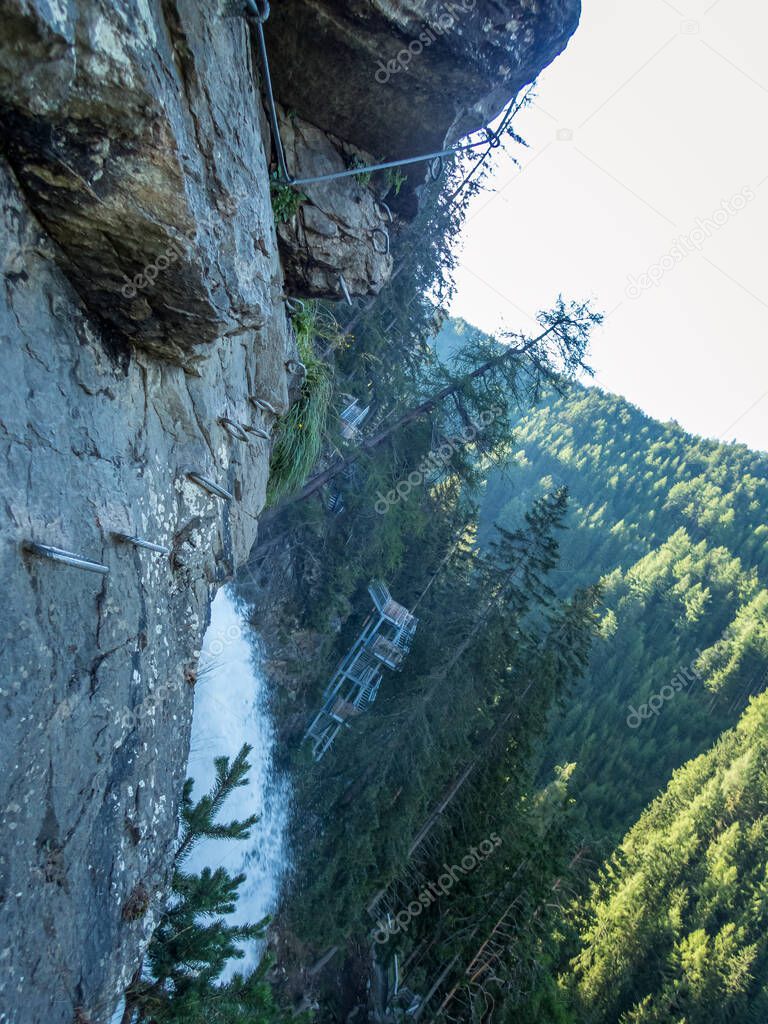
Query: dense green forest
(674, 526)
(674, 928)
(591, 592)
(590, 588)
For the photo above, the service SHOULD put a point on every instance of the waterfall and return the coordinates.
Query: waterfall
(231, 708)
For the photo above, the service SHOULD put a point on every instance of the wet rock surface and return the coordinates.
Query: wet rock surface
(108, 400)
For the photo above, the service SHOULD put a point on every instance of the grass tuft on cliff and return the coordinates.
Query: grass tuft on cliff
(300, 433)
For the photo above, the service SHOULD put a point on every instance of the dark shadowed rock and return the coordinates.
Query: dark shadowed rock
(346, 66)
(132, 133)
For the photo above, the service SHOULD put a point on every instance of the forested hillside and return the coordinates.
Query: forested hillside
(633, 482)
(674, 929)
(590, 588)
(675, 526)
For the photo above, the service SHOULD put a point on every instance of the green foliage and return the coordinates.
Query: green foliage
(682, 599)
(674, 929)
(395, 180)
(673, 525)
(486, 624)
(364, 177)
(300, 433)
(198, 820)
(633, 482)
(286, 200)
(193, 942)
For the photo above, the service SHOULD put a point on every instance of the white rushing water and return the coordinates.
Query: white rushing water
(231, 708)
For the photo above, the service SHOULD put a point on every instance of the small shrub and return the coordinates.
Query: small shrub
(364, 177)
(300, 433)
(286, 200)
(395, 180)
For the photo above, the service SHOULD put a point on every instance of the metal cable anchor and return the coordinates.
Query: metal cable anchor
(210, 486)
(66, 557)
(263, 405)
(436, 167)
(233, 428)
(380, 233)
(345, 289)
(257, 431)
(139, 542)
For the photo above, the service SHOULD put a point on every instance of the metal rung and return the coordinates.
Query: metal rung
(210, 486)
(67, 557)
(263, 405)
(345, 289)
(380, 233)
(257, 431)
(233, 428)
(139, 542)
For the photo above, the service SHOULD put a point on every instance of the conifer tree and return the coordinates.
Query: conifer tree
(193, 942)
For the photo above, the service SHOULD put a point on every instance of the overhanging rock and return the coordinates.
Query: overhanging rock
(403, 77)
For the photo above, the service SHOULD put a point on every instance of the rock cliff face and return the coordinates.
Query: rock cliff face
(141, 304)
(391, 79)
(340, 235)
(131, 135)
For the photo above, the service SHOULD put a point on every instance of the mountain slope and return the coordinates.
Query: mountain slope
(675, 928)
(675, 527)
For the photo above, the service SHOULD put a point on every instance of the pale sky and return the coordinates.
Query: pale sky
(656, 114)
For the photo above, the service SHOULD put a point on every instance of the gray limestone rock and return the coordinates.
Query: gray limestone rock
(340, 227)
(125, 127)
